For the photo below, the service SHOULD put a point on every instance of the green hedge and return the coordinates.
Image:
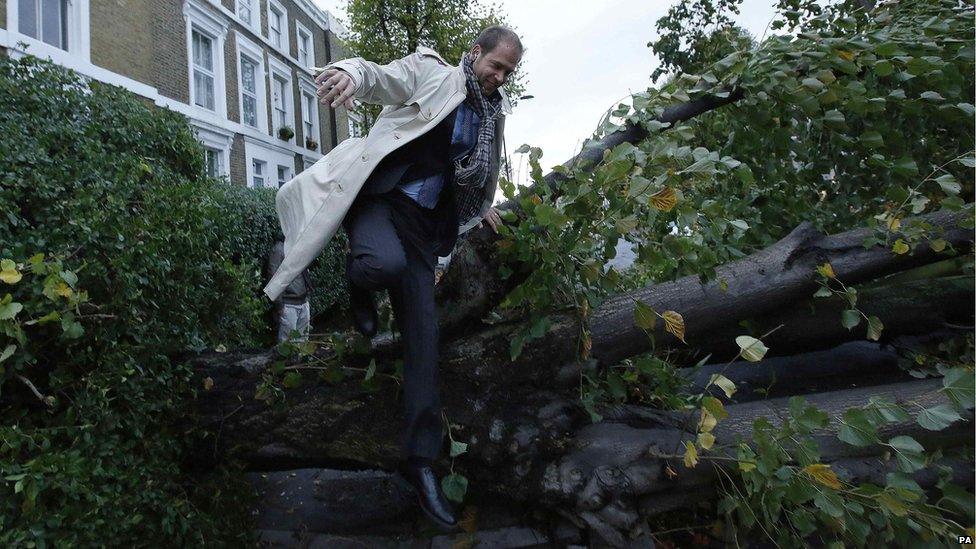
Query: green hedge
(166, 260)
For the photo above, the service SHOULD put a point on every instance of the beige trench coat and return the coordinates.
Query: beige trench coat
(419, 91)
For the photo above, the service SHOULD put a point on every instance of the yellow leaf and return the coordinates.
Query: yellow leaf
(691, 454)
(826, 270)
(587, 345)
(899, 247)
(746, 466)
(723, 285)
(63, 290)
(664, 200)
(707, 422)
(893, 224)
(845, 55)
(724, 383)
(823, 474)
(938, 245)
(674, 323)
(706, 440)
(536, 199)
(10, 276)
(208, 383)
(753, 349)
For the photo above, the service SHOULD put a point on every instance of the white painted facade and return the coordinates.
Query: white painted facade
(211, 22)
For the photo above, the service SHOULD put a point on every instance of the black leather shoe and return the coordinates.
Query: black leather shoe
(429, 495)
(363, 308)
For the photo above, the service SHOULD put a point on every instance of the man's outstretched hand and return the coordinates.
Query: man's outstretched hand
(493, 218)
(335, 86)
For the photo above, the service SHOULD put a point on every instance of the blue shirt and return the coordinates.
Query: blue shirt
(426, 191)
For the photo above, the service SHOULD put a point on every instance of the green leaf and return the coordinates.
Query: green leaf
(9, 310)
(617, 387)
(834, 118)
(871, 139)
(900, 247)
(938, 417)
(292, 379)
(69, 277)
(850, 318)
(753, 349)
(739, 224)
(458, 448)
(857, 428)
(370, 370)
(874, 328)
(454, 487)
(626, 224)
(812, 84)
(909, 454)
(905, 166)
(958, 384)
(7, 352)
(948, 183)
(715, 407)
(644, 316)
(823, 292)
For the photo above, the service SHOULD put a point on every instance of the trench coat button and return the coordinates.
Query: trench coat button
(396, 135)
(365, 157)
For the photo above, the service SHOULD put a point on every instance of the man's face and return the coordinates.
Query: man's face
(494, 67)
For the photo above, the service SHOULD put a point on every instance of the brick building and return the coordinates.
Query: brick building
(238, 69)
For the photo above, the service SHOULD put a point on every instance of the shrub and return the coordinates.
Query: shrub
(113, 192)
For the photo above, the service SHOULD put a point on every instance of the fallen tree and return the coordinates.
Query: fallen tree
(571, 419)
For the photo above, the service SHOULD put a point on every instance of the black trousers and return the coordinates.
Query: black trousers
(391, 246)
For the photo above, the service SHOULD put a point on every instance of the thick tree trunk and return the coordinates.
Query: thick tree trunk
(486, 393)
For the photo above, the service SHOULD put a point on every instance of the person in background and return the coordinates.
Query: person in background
(292, 310)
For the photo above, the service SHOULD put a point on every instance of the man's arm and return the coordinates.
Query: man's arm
(390, 84)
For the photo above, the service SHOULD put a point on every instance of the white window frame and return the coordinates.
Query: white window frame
(272, 158)
(282, 71)
(289, 173)
(275, 5)
(299, 29)
(264, 175)
(202, 19)
(217, 139)
(308, 87)
(247, 48)
(255, 7)
(78, 28)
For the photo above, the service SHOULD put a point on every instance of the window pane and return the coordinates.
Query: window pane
(213, 162)
(52, 22)
(202, 51)
(244, 10)
(276, 37)
(204, 88)
(250, 111)
(247, 75)
(28, 18)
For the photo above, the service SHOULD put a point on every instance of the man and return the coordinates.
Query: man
(292, 310)
(426, 172)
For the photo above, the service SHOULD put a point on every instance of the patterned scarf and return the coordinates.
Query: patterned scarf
(474, 172)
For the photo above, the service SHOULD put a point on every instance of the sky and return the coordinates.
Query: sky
(582, 58)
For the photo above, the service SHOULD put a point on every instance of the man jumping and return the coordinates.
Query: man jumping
(426, 172)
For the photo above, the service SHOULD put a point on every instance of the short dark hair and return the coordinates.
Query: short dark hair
(491, 36)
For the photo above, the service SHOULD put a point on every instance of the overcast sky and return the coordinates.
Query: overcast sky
(582, 57)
